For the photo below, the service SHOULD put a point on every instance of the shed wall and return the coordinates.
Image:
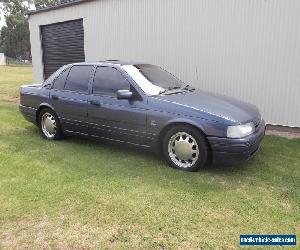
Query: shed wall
(2, 59)
(245, 49)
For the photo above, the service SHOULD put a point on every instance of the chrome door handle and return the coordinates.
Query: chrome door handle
(94, 102)
(55, 97)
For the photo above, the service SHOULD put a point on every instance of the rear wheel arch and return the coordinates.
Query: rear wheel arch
(49, 124)
(41, 107)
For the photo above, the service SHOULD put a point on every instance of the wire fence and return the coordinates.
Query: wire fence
(17, 62)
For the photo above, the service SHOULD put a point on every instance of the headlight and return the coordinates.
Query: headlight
(240, 131)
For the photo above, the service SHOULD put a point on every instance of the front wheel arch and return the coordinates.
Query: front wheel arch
(175, 124)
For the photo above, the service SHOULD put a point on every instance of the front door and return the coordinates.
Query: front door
(111, 118)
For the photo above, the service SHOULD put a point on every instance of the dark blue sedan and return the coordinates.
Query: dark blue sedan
(144, 105)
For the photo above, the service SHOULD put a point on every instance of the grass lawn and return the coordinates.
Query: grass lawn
(81, 194)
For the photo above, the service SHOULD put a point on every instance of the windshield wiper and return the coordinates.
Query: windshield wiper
(163, 91)
(188, 87)
(168, 89)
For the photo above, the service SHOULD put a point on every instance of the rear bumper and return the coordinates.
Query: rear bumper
(226, 151)
(28, 113)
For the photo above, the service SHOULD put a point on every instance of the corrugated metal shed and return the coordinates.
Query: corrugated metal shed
(246, 49)
(2, 59)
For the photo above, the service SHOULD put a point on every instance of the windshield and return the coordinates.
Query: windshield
(152, 79)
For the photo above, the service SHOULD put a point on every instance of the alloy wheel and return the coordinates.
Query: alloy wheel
(49, 127)
(183, 150)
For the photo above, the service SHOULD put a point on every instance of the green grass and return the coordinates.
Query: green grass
(81, 194)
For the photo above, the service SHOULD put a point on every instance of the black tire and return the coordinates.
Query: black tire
(58, 131)
(193, 164)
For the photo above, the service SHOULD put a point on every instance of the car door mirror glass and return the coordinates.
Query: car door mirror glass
(124, 94)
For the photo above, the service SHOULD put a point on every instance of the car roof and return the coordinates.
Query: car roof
(109, 63)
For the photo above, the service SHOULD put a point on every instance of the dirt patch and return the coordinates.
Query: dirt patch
(14, 99)
(283, 131)
(46, 234)
(288, 135)
(11, 99)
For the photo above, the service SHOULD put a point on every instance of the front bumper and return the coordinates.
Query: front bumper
(227, 151)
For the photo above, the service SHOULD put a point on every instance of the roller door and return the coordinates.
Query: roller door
(62, 43)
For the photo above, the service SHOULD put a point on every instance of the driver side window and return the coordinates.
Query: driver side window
(107, 81)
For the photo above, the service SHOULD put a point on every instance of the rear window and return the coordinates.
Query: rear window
(60, 81)
(78, 78)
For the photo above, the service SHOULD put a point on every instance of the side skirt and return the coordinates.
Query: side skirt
(72, 133)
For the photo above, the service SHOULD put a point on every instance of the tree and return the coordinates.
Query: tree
(1, 45)
(14, 37)
(39, 4)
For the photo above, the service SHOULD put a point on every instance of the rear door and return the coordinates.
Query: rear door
(109, 117)
(69, 97)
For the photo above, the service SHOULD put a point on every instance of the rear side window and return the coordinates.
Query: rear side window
(78, 78)
(108, 81)
(59, 82)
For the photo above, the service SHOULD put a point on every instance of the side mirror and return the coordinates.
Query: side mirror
(124, 94)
